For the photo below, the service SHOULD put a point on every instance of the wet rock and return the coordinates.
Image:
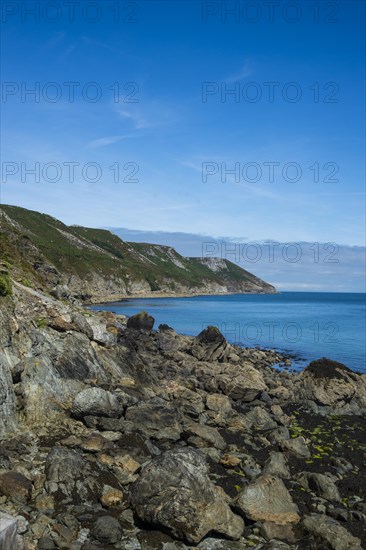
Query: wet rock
(15, 486)
(329, 531)
(175, 493)
(96, 402)
(267, 499)
(321, 484)
(141, 321)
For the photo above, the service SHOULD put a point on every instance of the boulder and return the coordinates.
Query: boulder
(175, 493)
(296, 446)
(267, 499)
(141, 321)
(210, 436)
(276, 465)
(107, 529)
(329, 532)
(15, 486)
(155, 419)
(209, 345)
(96, 402)
(70, 478)
(8, 531)
(321, 484)
(330, 383)
(259, 419)
(240, 382)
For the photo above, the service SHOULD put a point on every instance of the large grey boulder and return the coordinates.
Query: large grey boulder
(175, 493)
(240, 382)
(96, 402)
(267, 499)
(329, 383)
(330, 532)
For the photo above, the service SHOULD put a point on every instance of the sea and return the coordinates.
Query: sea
(304, 325)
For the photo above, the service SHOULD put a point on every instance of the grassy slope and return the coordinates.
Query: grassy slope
(83, 251)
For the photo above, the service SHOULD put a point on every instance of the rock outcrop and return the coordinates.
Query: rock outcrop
(115, 435)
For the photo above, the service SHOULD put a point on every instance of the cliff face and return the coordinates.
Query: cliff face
(96, 265)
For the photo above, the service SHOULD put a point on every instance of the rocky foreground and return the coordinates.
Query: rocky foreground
(115, 435)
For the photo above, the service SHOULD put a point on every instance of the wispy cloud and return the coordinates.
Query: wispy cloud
(152, 114)
(104, 141)
(245, 71)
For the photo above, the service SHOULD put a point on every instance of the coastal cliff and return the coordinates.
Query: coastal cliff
(94, 265)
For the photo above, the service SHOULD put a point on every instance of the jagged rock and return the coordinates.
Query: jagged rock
(321, 484)
(8, 531)
(61, 292)
(267, 499)
(15, 485)
(270, 530)
(69, 477)
(330, 532)
(276, 465)
(189, 402)
(259, 419)
(95, 443)
(209, 345)
(175, 493)
(155, 419)
(141, 321)
(96, 402)
(296, 446)
(243, 383)
(8, 420)
(210, 436)
(330, 383)
(240, 382)
(220, 404)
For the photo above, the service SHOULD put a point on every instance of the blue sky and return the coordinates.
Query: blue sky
(296, 159)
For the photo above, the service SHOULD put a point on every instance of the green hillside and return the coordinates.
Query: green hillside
(49, 252)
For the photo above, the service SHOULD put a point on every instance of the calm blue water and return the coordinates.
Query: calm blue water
(309, 325)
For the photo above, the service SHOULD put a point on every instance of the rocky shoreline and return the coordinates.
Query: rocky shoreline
(110, 299)
(114, 435)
